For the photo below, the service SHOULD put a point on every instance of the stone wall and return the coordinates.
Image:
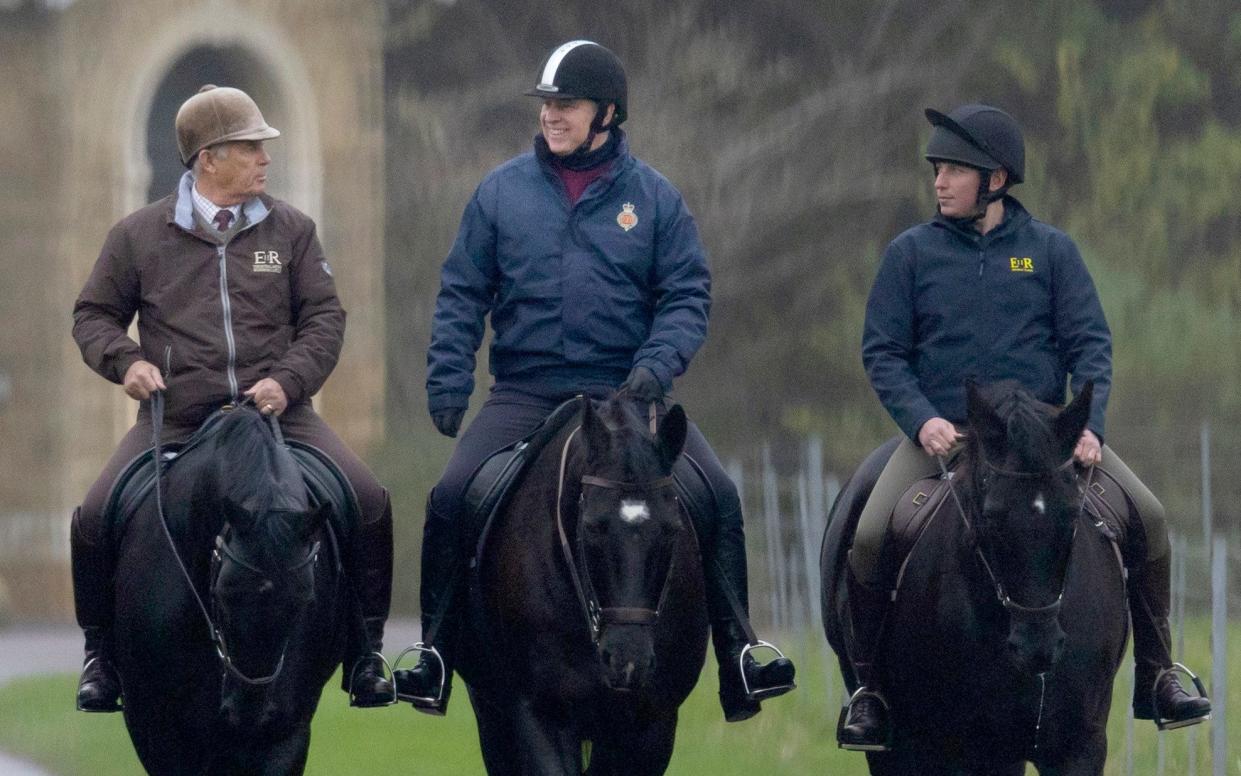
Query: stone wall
(76, 91)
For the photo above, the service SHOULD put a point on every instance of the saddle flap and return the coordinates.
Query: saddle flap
(910, 516)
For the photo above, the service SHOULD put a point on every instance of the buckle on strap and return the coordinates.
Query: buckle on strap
(420, 648)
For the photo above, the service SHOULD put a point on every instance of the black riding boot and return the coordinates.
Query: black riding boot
(429, 683)
(99, 689)
(370, 573)
(1157, 694)
(865, 724)
(744, 682)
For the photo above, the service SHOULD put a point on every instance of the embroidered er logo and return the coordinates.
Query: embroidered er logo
(627, 218)
(1025, 264)
(266, 261)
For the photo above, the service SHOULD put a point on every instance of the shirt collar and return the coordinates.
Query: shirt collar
(188, 199)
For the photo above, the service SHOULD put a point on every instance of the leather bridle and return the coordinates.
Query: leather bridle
(597, 615)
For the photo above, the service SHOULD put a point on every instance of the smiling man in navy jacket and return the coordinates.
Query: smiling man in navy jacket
(590, 267)
(985, 291)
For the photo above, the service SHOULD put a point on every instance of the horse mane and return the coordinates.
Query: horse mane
(253, 473)
(1028, 431)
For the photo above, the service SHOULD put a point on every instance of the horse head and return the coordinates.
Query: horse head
(629, 524)
(1026, 504)
(263, 566)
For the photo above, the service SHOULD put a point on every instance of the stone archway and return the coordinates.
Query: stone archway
(245, 54)
(228, 65)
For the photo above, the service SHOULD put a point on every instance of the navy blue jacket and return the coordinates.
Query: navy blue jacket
(950, 304)
(578, 294)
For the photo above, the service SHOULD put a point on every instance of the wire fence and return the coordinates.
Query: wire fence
(786, 514)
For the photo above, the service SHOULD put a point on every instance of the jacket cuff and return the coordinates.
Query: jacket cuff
(447, 401)
(122, 364)
(291, 385)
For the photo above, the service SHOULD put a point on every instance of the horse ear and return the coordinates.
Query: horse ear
(984, 421)
(594, 432)
(670, 439)
(1072, 420)
(316, 520)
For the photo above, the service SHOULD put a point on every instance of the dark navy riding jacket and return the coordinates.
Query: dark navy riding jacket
(578, 294)
(950, 304)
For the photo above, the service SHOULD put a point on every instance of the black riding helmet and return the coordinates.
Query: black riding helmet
(983, 137)
(582, 69)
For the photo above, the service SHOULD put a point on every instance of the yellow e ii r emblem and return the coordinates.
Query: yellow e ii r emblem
(1025, 264)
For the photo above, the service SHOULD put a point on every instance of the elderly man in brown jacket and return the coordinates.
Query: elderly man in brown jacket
(234, 300)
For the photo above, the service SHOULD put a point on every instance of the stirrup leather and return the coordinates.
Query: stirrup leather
(1172, 724)
(761, 693)
(353, 675)
(421, 700)
(864, 692)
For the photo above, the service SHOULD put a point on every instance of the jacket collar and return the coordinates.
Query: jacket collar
(1015, 217)
(255, 209)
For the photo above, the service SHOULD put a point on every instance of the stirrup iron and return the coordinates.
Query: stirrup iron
(353, 674)
(864, 692)
(1171, 724)
(762, 692)
(419, 648)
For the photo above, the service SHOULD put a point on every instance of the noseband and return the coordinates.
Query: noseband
(597, 615)
(218, 555)
(1019, 612)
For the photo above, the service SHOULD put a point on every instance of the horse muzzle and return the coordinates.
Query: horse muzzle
(628, 656)
(1035, 647)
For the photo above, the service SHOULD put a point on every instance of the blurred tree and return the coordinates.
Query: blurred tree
(795, 128)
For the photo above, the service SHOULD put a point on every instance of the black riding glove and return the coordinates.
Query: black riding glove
(643, 385)
(448, 421)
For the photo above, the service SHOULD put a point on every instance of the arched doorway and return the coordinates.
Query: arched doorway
(223, 65)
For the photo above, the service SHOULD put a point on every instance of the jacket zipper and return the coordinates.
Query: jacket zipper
(228, 322)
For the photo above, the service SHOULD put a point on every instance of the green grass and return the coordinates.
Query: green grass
(794, 734)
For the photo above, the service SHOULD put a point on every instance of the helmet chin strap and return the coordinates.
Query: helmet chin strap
(984, 198)
(596, 126)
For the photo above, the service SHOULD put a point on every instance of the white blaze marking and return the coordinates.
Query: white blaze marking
(634, 511)
(1040, 505)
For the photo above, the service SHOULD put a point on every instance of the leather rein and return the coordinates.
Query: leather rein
(218, 554)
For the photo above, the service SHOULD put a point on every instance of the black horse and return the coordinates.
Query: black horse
(247, 565)
(592, 589)
(1009, 621)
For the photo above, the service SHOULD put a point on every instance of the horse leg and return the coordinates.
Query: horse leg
(643, 752)
(1087, 759)
(495, 734)
(549, 743)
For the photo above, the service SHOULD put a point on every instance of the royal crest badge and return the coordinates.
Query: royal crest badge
(627, 218)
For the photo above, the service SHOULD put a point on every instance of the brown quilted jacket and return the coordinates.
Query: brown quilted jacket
(263, 304)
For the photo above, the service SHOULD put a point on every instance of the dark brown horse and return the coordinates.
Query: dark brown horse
(592, 592)
(1010, 618)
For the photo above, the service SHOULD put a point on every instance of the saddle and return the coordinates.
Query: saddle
(495, 479)
(325, 483)
(1107, 505)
